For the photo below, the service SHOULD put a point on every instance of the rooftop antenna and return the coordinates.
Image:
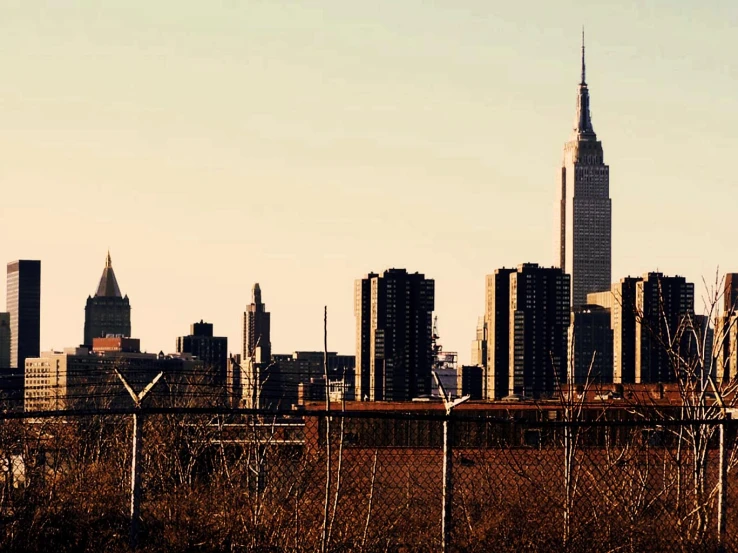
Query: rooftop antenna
(583, 66)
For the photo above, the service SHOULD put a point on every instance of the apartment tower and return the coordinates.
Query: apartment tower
(539, 324)
(663, 303)
(394, 336)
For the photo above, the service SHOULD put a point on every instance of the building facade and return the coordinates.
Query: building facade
(394, 335)
(4, 341)
(479, 345)
(663, 303)
(726, 331)
(257, 344)
(585, 210)
(539, 325)
(590, 345)
(259, 378)
(24, 305)
(496, 378)
(211, 350)
(304, 367)
(108, 312)
(84, 378)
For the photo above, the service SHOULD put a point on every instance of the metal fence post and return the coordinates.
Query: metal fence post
(722, 487)
(136, 480)
(136, 455)
(448, 482)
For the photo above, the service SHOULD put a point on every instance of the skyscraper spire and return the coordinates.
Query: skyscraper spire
(583, 124)
(108, 286)
(584, 71)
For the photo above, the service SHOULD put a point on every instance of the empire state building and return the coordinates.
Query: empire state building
(585, 230)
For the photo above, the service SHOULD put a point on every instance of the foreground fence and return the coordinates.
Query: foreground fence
(247, 481)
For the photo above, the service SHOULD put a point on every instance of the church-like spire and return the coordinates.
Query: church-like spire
(583, 125)
(108, 286)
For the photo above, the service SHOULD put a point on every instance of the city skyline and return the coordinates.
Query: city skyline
(166, 135)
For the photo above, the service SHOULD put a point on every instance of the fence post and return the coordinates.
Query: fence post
(568, 450)
(448, 482)
(136, 455)
(136, 480)
(722, 486)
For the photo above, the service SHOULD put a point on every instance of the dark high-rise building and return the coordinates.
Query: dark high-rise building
(469, 381)
(585, 221)
(4, 341)
(590, 345)
(260, 380)
(257, 344)
(394, 335)
(539, 324)
(108, 312)
(24, 306)
(211, 350)
(496, 380)
(662, 305)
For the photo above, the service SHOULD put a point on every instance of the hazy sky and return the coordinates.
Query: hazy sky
(211, 145)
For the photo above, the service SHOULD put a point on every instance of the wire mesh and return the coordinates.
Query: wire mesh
(214, 480)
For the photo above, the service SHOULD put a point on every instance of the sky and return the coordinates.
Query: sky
(211, 145)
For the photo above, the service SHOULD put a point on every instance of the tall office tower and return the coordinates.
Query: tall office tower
(4, 341)
(260, 381)
(590, 345)
(496, 378)
(662, 303)
(394, 335)
(726, 331)
(211, 350)
(479, 345)
(585, 221)
(24, 306)
(107, 312)
(257, 344)
(539, 325)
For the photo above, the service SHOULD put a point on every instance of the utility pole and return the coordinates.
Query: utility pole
(448, 460)
(136, 456)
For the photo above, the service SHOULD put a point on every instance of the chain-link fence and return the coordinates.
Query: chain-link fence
(214, 480)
